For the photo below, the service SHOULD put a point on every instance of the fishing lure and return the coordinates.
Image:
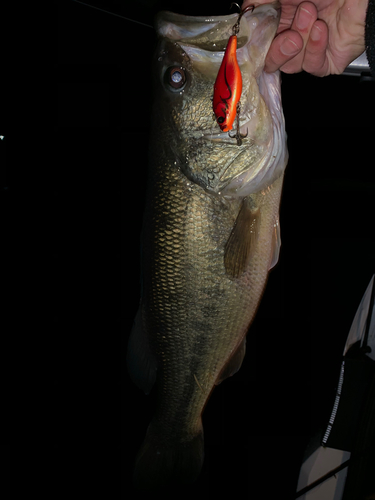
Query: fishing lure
(228, 86)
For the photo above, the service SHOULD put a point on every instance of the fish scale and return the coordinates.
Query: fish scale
(178, 272)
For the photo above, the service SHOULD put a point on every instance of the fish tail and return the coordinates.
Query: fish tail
(162, 464)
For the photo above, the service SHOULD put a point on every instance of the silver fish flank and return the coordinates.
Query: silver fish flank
(211, 230)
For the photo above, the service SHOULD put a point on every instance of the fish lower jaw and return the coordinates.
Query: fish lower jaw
(220, 137)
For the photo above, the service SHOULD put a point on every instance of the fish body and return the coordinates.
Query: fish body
(210, 232)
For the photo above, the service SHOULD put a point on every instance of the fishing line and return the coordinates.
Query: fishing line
(113, 14)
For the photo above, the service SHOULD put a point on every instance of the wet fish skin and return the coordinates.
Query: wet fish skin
(206, 247)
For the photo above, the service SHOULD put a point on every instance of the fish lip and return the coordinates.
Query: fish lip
(224, 137)
(219, 137)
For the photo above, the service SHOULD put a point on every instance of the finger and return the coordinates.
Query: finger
(315, 61)
(303, 22)
(283, 48)
(304, 19)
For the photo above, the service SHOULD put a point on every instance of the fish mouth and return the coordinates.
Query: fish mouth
(205, 39)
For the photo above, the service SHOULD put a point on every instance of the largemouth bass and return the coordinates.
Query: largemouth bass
(211, 229)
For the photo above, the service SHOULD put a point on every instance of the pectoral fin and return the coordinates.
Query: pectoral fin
(241, 242)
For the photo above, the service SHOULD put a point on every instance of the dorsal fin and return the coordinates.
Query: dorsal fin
(241, 242)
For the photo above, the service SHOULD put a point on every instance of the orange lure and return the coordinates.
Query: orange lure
(228, 86)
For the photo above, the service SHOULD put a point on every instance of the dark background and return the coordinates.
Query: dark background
(258, 422)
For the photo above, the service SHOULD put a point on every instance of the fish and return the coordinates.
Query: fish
(210, 233)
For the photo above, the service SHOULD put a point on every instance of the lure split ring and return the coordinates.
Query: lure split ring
(228, 86)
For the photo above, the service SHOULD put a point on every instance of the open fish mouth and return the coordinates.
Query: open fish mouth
(204, 39)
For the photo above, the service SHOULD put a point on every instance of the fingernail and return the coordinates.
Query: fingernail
(288, 47)
(316, 33)
(303, 18)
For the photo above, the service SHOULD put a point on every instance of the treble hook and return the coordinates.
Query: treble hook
(236, 27)
(238, 134)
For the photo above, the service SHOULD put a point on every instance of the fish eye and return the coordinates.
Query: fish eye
(175, 77)
(220, 119)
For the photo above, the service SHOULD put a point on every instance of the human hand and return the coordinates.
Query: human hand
(320, 37)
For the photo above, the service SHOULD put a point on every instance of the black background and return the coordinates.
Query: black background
(258, 422)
